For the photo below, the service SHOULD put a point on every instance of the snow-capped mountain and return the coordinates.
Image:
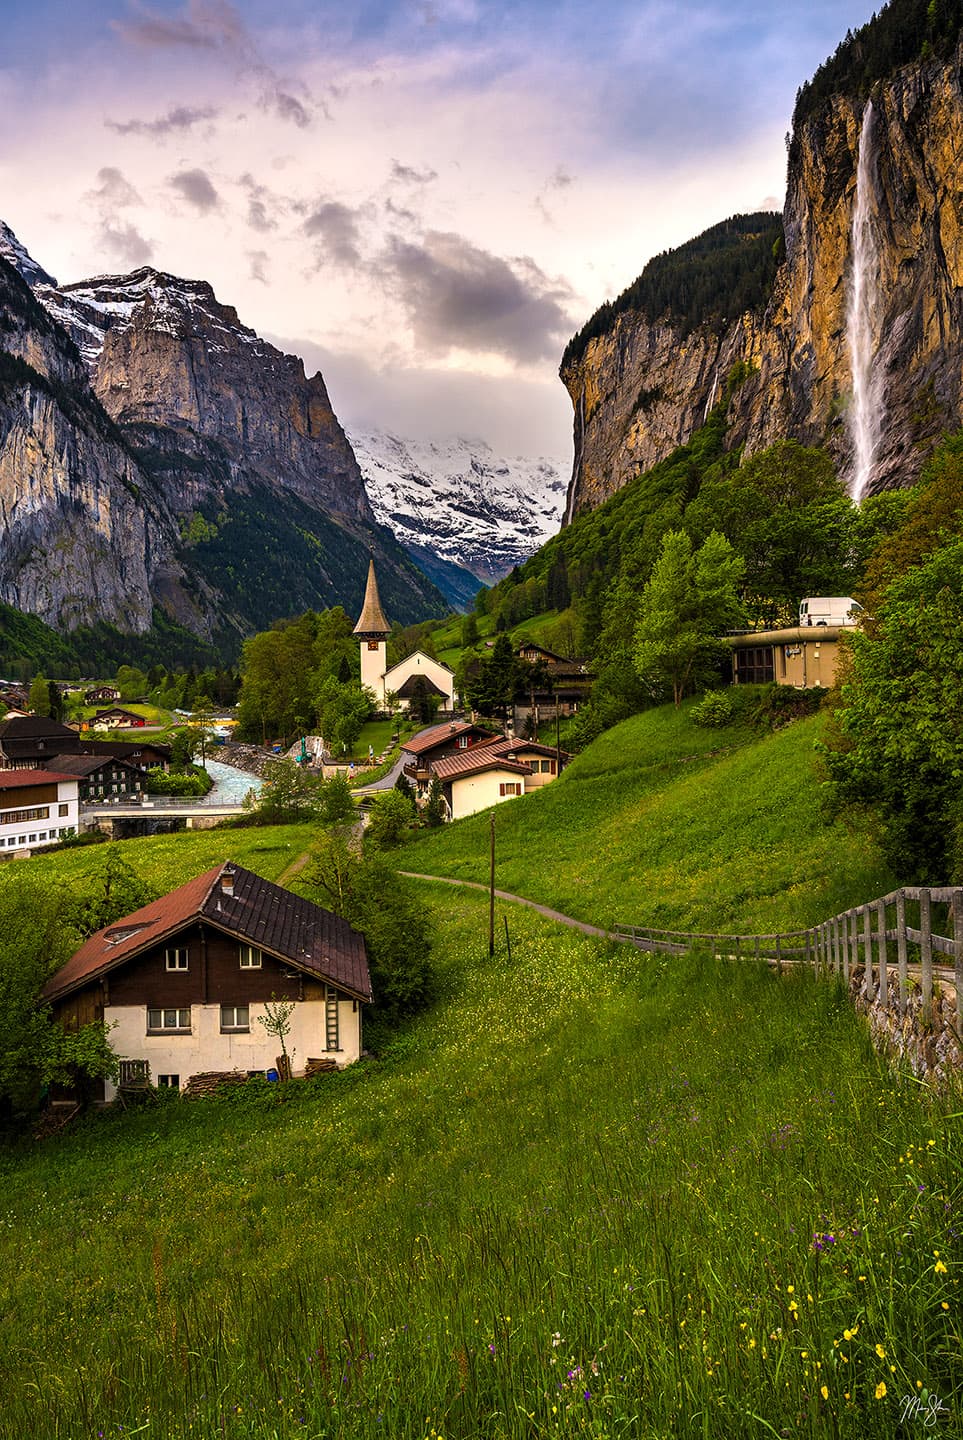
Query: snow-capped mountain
(16, 255)
(458, 501)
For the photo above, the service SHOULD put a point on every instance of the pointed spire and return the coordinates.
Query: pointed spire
(372, 621)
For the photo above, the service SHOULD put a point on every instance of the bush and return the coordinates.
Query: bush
(714, 710)
(779, 705)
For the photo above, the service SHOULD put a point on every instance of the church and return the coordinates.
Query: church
(401, 681)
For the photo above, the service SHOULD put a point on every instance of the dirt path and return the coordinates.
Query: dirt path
(518, 900)
(295, 868)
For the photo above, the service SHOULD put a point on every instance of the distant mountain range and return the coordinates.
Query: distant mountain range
(465, 515)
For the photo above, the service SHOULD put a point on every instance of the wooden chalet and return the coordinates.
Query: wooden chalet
(102, 777)
(116, 718)
(183, 981)
(569, 684)
(449, 739)
(31, 741)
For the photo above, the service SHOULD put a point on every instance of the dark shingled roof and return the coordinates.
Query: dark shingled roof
(87, 764)
(295, 930)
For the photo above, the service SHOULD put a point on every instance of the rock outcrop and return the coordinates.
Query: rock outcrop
(639, 389)
(156, 454)
(79, 542)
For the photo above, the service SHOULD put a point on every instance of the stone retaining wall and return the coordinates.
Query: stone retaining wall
(930, 1045)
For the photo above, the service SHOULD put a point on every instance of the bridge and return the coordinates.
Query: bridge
(129, 815)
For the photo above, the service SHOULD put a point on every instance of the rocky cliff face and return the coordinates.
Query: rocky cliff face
(164, 355)
(79, 543)
(154, 451)
(641, 388)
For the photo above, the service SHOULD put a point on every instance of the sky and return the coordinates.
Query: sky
(422, 198)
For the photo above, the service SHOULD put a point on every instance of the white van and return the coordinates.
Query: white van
(829, 610)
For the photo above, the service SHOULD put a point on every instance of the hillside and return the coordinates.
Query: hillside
(665, 824)
(567, 1201)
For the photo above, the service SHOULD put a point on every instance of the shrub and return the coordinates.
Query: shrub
(714, 710)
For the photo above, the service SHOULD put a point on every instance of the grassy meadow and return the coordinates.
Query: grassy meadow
(663, 823)
(589, 1193)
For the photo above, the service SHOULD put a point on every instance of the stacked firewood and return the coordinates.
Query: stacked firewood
(319, 1067)
(211, 1080)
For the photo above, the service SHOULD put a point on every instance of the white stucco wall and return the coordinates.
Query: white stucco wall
(421, 664)
(207, 1049)
(373, 664)
(25, 834)
(477, 792)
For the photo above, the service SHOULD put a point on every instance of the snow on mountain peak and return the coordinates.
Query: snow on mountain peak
(17, 256)
(459, 500)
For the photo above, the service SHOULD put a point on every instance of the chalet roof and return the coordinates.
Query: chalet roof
(84, 765)
(440, 735)
(474, 762)
(258, 912)
(115, 710)
(124, 749)
(35, 737)
(372, 619)
(17, 779)
(32, 727)
(415, 654)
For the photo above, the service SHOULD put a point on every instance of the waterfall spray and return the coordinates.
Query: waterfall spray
(865, 412)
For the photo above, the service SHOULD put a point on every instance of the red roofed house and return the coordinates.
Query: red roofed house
(184, 979)
(36, 808)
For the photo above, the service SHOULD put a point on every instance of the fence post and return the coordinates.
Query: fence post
(869, 987)
(853, 939)
(926, 951)
(881, 943)
(901, 947)
(756, 938)
(956, 910)
(779, 954)
(837, 962)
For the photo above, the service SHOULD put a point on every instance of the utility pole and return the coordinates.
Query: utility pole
(491, 886)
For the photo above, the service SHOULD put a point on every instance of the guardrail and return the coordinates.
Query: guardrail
(159, 802)
(860, 936)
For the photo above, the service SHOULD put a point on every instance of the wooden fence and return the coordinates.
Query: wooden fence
(863, 936)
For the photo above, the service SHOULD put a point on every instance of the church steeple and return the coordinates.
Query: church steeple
(372, 624)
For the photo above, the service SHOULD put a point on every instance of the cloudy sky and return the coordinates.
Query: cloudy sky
(423, 198)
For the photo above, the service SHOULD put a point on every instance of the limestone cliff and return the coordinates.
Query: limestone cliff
(79, 544)
(156, 454)
(641, 386)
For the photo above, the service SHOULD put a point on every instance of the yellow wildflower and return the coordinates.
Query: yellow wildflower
(881, 1390)
(824, 1391)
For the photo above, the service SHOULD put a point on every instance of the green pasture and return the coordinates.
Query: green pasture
(591, 1193)
(663, 823)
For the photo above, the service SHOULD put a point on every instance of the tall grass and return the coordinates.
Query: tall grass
(593, 1193)
(665, 824)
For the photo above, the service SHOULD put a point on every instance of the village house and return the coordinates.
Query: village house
(37, 807)
(451, 738)
(35, 741)
(568, 684)
(417, 672)
(101, 695)
(116, 718)
(101, 776)
(184, 981)
(477, 775)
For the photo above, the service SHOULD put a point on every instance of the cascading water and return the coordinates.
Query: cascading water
(866, 411)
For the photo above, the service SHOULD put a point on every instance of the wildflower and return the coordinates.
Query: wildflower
(881, 1390)
(881, 1352)
(824, 1391)
(939, 1268)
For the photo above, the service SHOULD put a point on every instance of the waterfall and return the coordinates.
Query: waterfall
(577, 464)
(712, 396)
(866, 409)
